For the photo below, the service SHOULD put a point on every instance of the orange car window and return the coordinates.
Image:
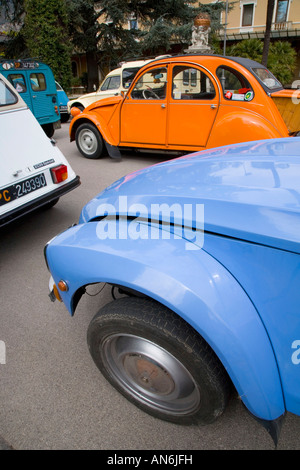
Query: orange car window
(235, 86)
(151, 85)
(189, 83)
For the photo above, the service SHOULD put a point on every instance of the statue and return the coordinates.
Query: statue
(200, 32)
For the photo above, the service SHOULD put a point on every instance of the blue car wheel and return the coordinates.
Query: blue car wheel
(158, 362)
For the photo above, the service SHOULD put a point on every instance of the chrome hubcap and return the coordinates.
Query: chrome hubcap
(87, 141)
(150, 374)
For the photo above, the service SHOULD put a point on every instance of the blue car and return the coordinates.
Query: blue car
(62, 103)
(204, 253)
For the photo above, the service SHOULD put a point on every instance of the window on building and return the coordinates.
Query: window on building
(282, 9)
(74, 69)
(248, 11)
(133, 24)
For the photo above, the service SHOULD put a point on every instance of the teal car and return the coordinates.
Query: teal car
(35, 82)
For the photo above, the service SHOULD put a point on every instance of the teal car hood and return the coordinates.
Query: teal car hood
(248, 191)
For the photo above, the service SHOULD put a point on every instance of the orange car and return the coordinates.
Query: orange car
(188, 103)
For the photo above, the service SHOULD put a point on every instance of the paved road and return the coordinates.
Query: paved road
(51, 394)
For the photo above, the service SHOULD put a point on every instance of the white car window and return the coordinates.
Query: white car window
(6, 95)
(111, 83)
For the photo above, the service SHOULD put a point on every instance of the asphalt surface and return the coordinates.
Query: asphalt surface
(52, 395)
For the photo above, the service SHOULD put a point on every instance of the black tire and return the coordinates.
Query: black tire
(79, 106)
(158, 362)
(89, 141)
(48, 129)
(64, 117)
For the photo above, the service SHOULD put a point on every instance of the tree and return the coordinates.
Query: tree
(166, 23)
(249, 48)
(164, 26)
(281, 58)
(102, 33)
(46, 36)
(267, 39)
(13, 11)
(83, 28)
(282, 61)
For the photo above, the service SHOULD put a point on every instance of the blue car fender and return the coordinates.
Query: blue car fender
(186, 279)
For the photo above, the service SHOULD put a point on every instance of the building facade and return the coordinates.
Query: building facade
(247, 19)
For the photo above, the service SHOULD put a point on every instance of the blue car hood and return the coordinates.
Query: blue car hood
(249, 191)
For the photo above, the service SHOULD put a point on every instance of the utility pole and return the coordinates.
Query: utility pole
(225, 28)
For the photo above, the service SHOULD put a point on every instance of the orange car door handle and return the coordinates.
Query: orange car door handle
(163, 105)
(213, 106)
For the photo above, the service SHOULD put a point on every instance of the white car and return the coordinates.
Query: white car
(33, 171)
(115, 82)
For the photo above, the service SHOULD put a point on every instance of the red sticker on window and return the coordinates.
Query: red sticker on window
(228, 95)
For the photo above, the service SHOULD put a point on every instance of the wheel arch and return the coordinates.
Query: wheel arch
(196, 287)
(76, 104)
(251, 125)
(96, 121)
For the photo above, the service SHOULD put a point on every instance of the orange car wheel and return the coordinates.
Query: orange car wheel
(89, 141)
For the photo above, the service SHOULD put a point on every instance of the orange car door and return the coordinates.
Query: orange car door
(144, 111)
(193, 106)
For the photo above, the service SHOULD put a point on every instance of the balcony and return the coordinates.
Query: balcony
(283, 26)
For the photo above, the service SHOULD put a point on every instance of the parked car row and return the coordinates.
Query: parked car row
(115, 83)
(203, 249)
(34, 173)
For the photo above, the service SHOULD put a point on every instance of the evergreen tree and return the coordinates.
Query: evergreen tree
(56, 28)
(83, 30)
(163, 25)
(249, 48)
(282, 58)
(13, 11)
(46, 36)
